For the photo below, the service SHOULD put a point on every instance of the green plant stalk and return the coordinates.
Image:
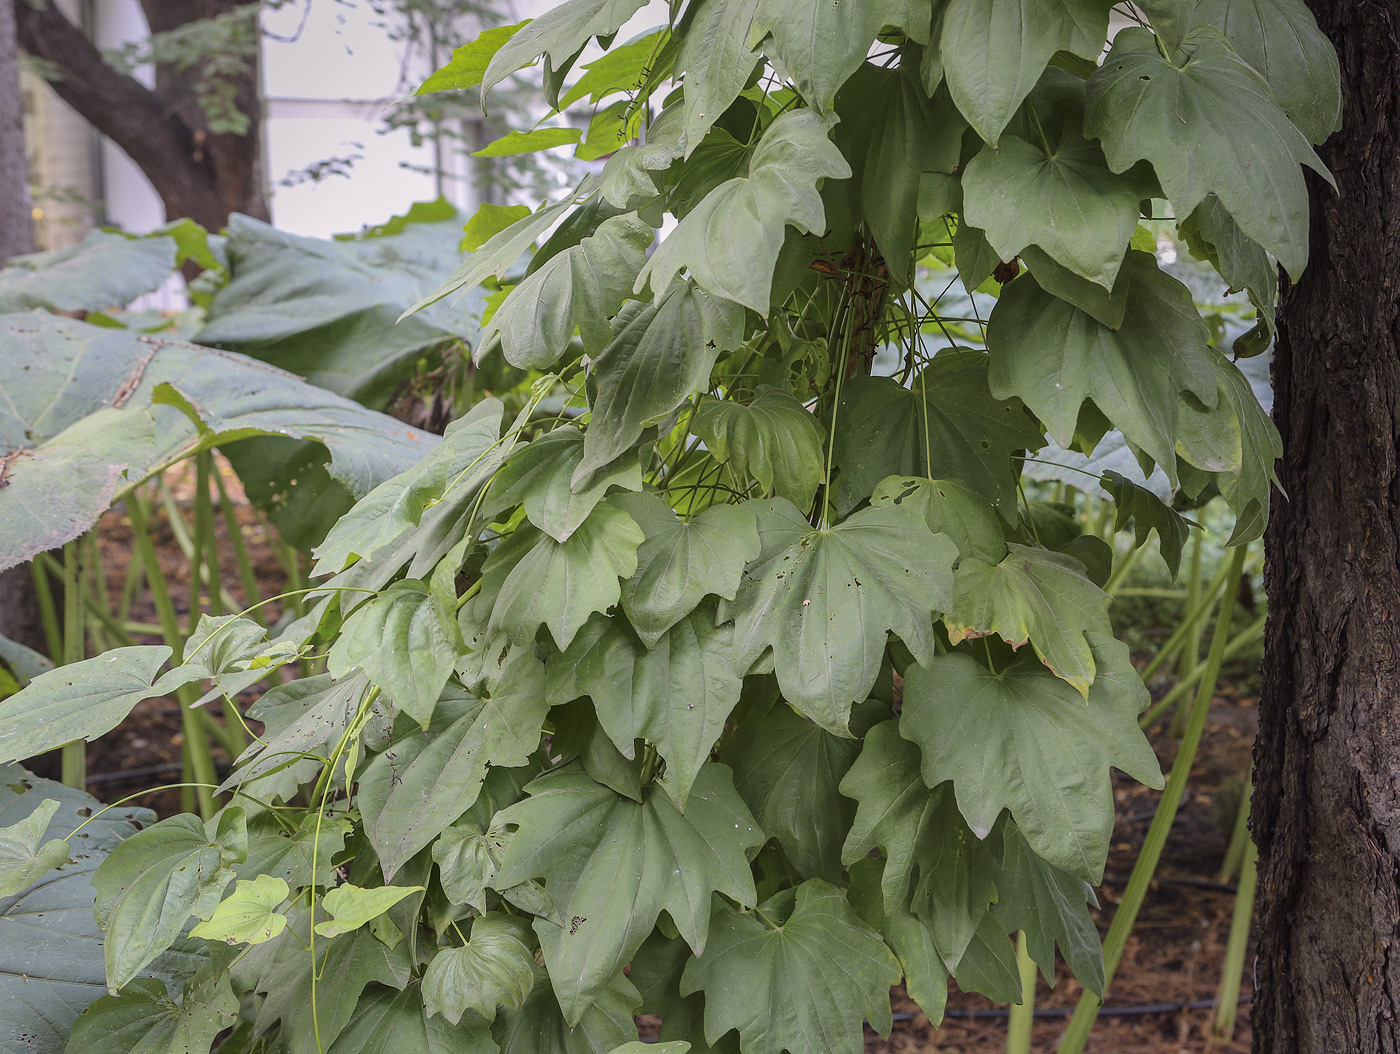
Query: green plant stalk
(1077, 1034)
(1018, 1026)
(197, 752)
(1228, 1003)
(74, 755)
(1191, 653)
(1244, 639)
(1230, 867)
(204, 567)
(98, 594)
(240, 550)
(175, 519)
(48, 611)
(1195, 613)
(1124, 568)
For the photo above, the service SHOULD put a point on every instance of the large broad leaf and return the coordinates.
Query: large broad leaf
(532, 580)
(494, 968)
(144, 1020)
(774, 439)
(51, 964)
(950, 508)
(378, 534)
(538, 477)
(386, 1021)
(1148, 513)
(1064, 200)
(1033, 595)
(1024, 740)
(1280, 39)
(683, 561)
(106, 270)
(579, 288)
(22, 858)
(249, 914)
(677, 695)
(928, 849)
(327, 309)
(799, 976)
(994, 51)
(539, 1027)
(788, 770)
(558, 36)
(469, 61)
(419, 785)
(656, 971)
(1050, 907)
(662, 353)
(946, 425)
(718, 59)
(822, 599)
(612, 865)
(892, 133)
(351, 963)
(1212, 234)
(82, 700)
(150, 885)
(403, 644)
(1239, 443)
(911, 939)
(1208, 123)
(820, 44)
(781, 189)
(78, 426)
(1055, 356)
(303, 720)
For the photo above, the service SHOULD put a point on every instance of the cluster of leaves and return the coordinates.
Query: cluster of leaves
(735, 678)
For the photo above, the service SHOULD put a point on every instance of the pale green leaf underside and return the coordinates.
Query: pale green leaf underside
(1055, 357)
(683, 561)
(793, 157)
(1067, 202)
(1210, 125)
(774, 439)
(922, 835)
(994, 51)
(1033, 595)
(824, 599)
(612, 865)
(1024, 740)
(805, 985)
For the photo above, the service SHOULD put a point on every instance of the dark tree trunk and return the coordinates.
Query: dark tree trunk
(1327, 790)
(19, 608)
(196, 173)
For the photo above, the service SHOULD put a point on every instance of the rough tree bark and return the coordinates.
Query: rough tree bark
(19, 609)
(196, 173)
(1327, 789)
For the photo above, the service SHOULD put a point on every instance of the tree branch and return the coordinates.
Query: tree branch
(121, 108)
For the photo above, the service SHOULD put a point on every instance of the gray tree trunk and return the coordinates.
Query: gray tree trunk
(1327, 791)
(19, 608)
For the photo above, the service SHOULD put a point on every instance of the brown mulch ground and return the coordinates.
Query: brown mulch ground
(1174, 955)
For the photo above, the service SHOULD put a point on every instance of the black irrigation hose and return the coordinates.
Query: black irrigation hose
(1064, 1012)
(126, 775)
(1168, 880)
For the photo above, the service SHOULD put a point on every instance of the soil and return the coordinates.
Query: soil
(1173, 957)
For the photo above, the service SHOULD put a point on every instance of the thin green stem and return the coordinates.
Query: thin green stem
(1194, 615)
(1244, 639)
(201, 759)
(75, 583)
(1077, 1034)
(48, 611)
(1231, 866)
(1228, 1004)
(1018, 1026)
